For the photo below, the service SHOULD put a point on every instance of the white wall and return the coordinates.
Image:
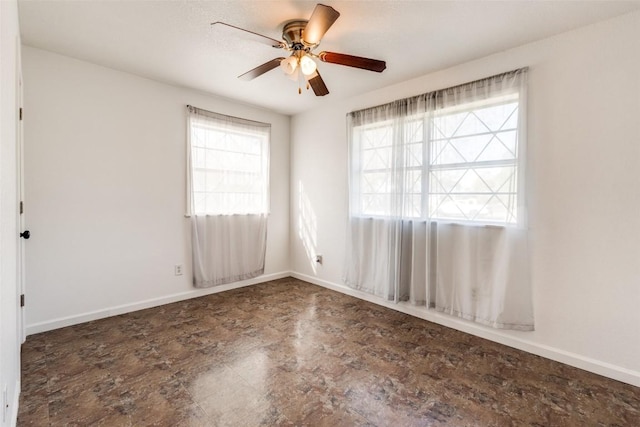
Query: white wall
(105, 190)
(9, 335)
(584, 151)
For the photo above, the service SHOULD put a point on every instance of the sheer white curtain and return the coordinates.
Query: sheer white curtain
(227, 248)
(387, 239)
(483, 275)
(438, 203)
(228, 196)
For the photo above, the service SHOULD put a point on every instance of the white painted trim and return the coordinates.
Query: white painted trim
(509, 339)
(13, 421)
(141, 305)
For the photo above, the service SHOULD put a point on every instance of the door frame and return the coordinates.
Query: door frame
(21, 224)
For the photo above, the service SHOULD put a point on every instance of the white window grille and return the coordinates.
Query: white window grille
(229, 164)
(474, 162)
(457, 163)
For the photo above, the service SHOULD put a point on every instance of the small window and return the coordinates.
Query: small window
(229, 164)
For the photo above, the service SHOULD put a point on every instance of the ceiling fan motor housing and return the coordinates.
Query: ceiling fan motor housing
(292, 34)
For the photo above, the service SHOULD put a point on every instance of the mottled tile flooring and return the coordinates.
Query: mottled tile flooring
(290, 353)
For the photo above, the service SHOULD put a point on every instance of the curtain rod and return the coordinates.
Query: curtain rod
(517, 70)
(248, 121)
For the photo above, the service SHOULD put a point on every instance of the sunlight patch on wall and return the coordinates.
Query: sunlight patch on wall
(307, 226)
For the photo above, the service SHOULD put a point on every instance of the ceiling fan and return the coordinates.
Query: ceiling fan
(301, 38)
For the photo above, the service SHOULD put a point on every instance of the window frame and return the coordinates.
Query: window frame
(427, 168)
(229, 127)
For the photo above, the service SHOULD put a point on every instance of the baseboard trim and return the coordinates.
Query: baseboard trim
(507, 338)
(141, 305)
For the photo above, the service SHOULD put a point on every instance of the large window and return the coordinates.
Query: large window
(474, 161)
(229, 164)
(437, 212)
(459, 162)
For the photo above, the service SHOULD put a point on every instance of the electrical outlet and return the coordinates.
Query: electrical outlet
(319, 259)
(178, 269)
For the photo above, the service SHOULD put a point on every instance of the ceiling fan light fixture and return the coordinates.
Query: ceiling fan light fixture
(289, 65)
(307, 65)
(300, 38)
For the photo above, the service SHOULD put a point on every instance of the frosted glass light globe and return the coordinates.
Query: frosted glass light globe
(289, 64)
(307, 65)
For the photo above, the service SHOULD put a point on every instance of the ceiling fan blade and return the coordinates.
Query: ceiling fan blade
(321, 20)
(353, 61)
(317, 84)
(261, 69)
(255, 36)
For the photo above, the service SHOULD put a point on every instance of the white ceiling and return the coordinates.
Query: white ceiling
(172, 41)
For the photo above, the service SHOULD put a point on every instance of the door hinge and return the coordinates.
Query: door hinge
(22, 300)
(21, 208)
(20, 113)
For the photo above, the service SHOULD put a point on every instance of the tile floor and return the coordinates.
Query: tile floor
(290, 353)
